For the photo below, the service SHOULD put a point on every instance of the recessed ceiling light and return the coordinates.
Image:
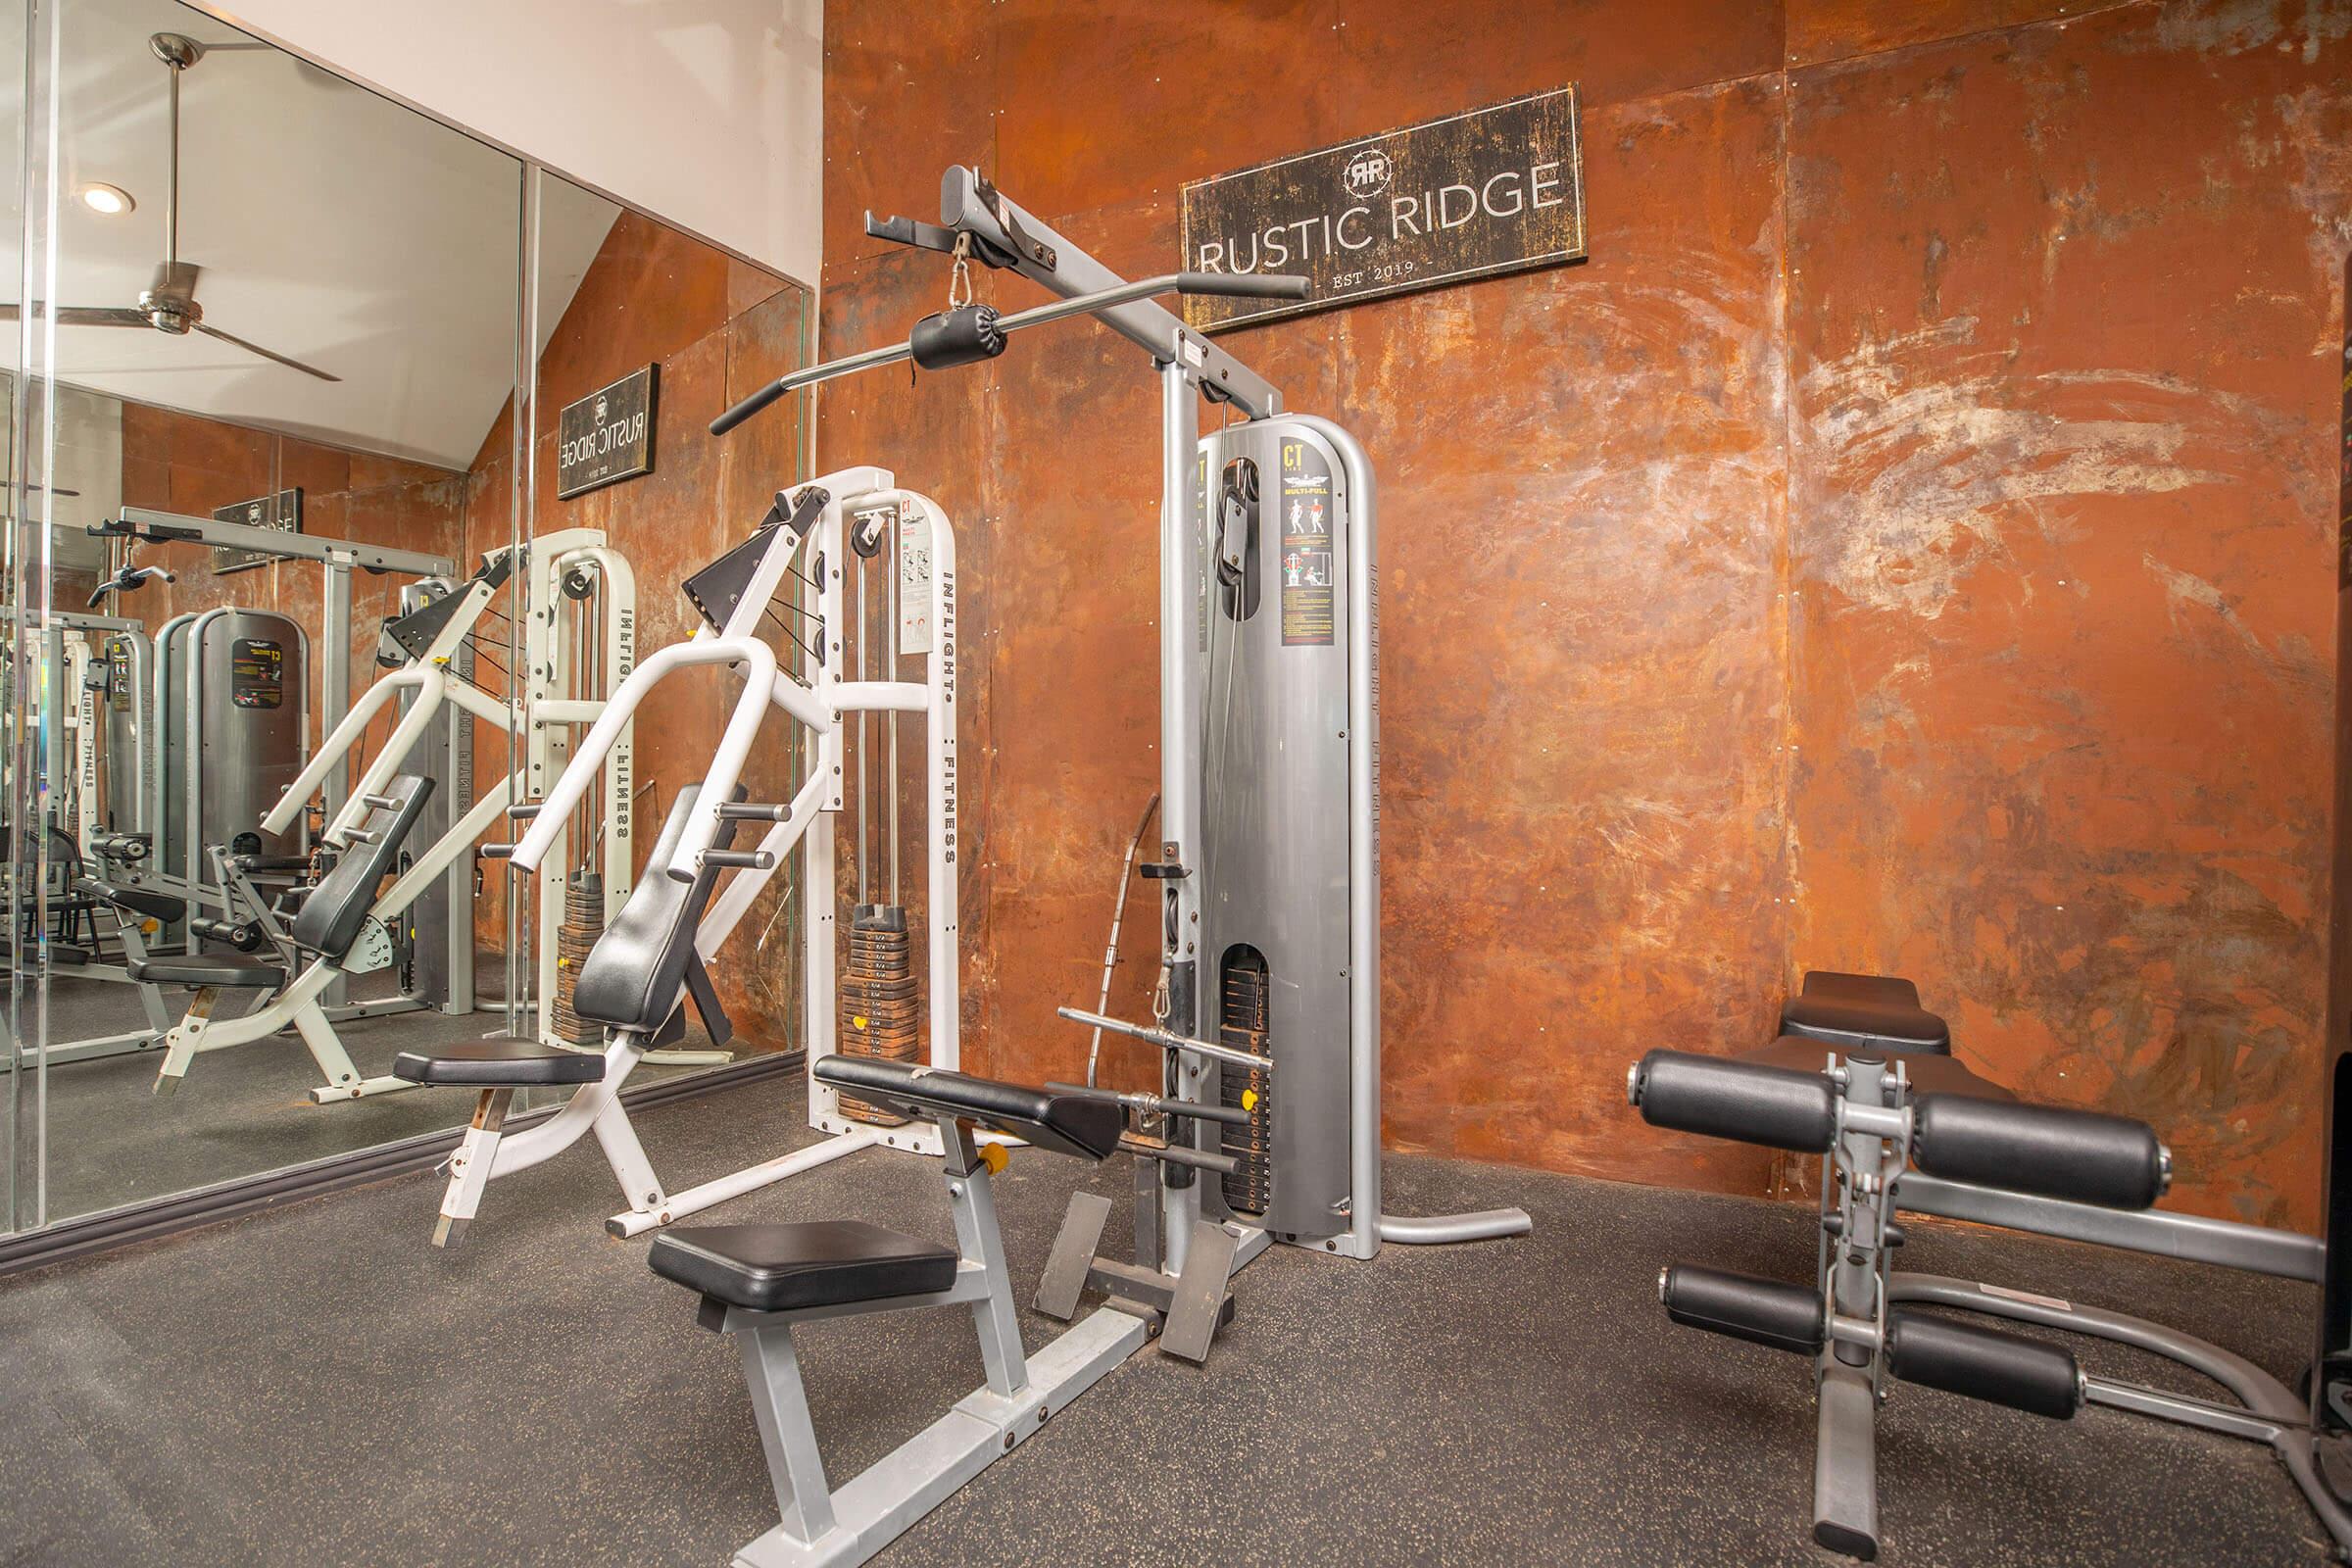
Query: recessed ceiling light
(111, 200)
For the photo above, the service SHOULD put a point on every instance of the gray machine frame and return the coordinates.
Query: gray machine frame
(826, 1528)
(1175, 1214)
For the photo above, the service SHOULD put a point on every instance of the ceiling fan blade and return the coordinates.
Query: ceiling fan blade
(99, 315)
(210, 330)
(85, 315)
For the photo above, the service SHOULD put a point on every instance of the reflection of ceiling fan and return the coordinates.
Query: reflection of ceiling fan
(170, 303)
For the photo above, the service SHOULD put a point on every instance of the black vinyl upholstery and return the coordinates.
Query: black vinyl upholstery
(337, 907)
(1864, 1012)
(231, 970)
(631, 977)
(146, 901)
(498, 1064)
(1083, 1126)
(1928, 1073)
(777, 1269)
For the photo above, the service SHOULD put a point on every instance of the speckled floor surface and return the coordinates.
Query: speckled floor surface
(316, 1385)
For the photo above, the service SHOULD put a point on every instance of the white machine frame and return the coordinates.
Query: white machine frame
(814, 694)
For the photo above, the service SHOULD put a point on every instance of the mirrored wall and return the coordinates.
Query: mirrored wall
(352, 461)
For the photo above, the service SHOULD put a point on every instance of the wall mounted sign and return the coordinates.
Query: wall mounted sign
(1473, 195)
(282, 512)
(606, 436)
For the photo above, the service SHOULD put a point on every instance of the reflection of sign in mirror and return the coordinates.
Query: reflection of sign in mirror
(1493, 190)
(607, 435)
(282, 512)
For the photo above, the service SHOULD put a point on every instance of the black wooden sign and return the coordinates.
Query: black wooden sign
(607, 435)
(1493, 190)
(282, 512)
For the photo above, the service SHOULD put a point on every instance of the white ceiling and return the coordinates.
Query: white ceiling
(332, 226)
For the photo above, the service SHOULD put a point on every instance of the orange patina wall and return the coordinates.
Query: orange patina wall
(717, 327)
(1904, 542)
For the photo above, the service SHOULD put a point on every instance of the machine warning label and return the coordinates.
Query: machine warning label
(257, 674)
(1307, 595)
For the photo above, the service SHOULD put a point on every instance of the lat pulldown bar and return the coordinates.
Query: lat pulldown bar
(970, 334)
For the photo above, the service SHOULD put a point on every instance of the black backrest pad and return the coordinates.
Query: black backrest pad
(631, 977)
(331, 917)
(1067, 1124)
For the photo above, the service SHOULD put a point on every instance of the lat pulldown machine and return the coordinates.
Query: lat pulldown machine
(1270, 743)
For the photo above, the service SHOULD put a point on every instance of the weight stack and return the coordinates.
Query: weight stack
(1244, 1016)
(583, 923)
(880, 1009)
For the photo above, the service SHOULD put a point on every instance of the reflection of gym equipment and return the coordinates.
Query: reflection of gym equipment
(97, 763)
(1269, 802)
(757, 1282)
(231, 704)
(653, 954)
(1903, 1126)
(342, 925)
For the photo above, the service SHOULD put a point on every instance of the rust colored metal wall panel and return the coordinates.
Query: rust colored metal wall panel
(1582, 685)
(1821, 31)
(908, 90)
(1417, 61)
(2061, 342)
(1996, 352)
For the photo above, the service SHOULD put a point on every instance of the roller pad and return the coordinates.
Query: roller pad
(1776, 1106)
(2080, 1156)
(1985, 1364)
(1767, 1312)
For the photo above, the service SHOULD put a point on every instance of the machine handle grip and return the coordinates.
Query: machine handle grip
(1779, 1107)
(2079, 1155)
(243, 936)
(748, 407)
(1245, 285)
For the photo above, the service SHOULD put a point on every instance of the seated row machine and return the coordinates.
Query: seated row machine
(757, 1282)
(1863, 1076)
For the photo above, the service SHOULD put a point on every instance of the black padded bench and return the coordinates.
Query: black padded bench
(1864, 1012)
(1871, 1015)
(774, 1268)
(757, 1280)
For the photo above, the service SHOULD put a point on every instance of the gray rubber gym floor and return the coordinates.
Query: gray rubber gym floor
(317, 1385)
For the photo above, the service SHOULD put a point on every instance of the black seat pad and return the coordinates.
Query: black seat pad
(499, 1064)
(1085, 1125)
(208, 970)
(1864, 1010)
(1928, 1073)
(135, 900)
(337, 907)
(630, 978)
(776, 1268)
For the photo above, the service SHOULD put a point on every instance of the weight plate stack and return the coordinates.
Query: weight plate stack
(881, 1009)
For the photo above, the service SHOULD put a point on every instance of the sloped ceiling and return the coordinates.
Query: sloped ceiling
(332, 226)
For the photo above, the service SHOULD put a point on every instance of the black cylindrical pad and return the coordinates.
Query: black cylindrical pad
(1986, 1364)
(1779, 1107)
(961, 336)
(1768, 1312)
(2081, 1155)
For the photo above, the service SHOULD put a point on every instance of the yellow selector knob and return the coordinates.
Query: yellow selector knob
(1248, 1100)
(993, 1156)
